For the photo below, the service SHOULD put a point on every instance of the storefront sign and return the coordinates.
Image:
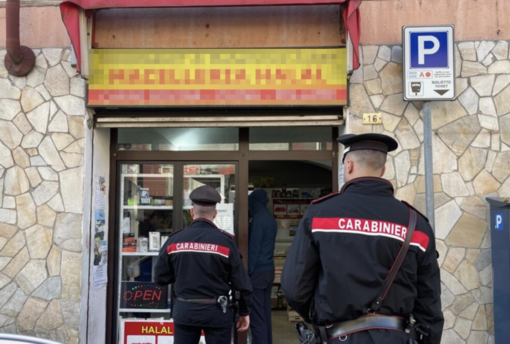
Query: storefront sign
(144, 295)
(218, 77)
(148, 332)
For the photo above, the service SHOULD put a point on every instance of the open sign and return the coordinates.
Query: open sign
(144, 295)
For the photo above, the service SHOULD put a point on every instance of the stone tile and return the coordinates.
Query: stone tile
(483, 84)
(45, 192)
(463, 327)
(357, 75)
(50, 154)
(54, 261)
(52, 317)
(4, 280)
(46, 216)
(48, 174)
(62, 140)
(459, 134)
(470, 312)
(446, 112)
(70, 70)
(9, 109)
(71, 313)
(56, 203)
(32, 275)
(453, 185)
(369, 54)
(373, 87)
(76, 147)
(77, 125)
(489, 122)
(488, 60)
(467, 50)
(391, 77)
(68, 228)
(377, 100)
(42, 90)
(53, 55)
(15, 304)
(72, 159)
(379, 64)
(499, 67)
(32, 152)
(472, 162)
(57, 81)
(483, 260)
(487, 106)
(30, 313)
(71, 276)
(468, 232)
(36, 77)
(39, 117)
(30, 99)
(78, 86)
(449, 319)
(39, 241)
(21, 158)
(484, 49)
(396, 54)
(500, 51)
(16, 181)
(20, 82)
(411, 114)
(25, 211)
(33, 176)
(8, 91)
(37, 161)
(9, 203)
(402, 167)
(500, 168)
(467, 275)
(8, 216)
(495, 142)
(489, 310)
(406, 135)
(472, 69)
(394, 104)
(469, 99)
(53, 109)
(32, 140)
(446, 216)
(75, 106)
(6, 293)
(452, 284)
(389, 173)
(71, 188)
(7, 231)
(461, 84)
(59, 123)
(442, 250)
(462, 303)
(369, 73)
(406, 193)
(22, 123)
(478, 337)
(505, 123)
(415, 158)
(419, 184)
(453, 258)
(502, 81)
(483, 295)
(50, 289)
(486, 275)
(472, 254)
(384, 53)
(451, 337)
(10, 135)
(6, 159)
(485, 184)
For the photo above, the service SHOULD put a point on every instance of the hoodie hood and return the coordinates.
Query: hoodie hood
(257, 201)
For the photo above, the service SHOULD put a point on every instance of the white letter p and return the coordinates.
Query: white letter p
(422, 51)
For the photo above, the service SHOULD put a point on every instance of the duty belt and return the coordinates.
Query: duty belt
(364, 323)
(222, 301)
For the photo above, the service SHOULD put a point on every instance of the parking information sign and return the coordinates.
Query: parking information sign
(429, 65)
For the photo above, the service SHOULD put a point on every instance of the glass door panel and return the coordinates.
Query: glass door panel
(146, 218)
(222, 177)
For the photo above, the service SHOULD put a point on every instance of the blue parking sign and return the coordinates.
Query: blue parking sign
(429, 49)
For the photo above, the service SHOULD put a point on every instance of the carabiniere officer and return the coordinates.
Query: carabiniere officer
(345, 248)
(204, 266)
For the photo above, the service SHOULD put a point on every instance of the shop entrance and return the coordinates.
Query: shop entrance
(154, 170)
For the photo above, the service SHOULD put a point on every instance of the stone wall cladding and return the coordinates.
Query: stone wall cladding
(471, 152)
(41, 197)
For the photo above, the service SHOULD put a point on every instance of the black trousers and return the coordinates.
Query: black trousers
(185, 334)
(260, 316)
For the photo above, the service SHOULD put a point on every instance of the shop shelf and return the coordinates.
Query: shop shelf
(143, 310)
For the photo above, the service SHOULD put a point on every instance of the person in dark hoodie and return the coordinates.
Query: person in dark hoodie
(262, 235)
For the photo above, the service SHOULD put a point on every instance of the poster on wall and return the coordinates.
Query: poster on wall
(290, 208)
(218, 77)
(225, 218)
(100, 269)
(148, 332)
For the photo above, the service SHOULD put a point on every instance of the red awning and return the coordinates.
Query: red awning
(70, 13)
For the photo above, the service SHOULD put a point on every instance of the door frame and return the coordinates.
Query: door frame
(240, 158)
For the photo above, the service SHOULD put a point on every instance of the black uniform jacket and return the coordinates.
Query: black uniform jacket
(202, 262)
(344, 248)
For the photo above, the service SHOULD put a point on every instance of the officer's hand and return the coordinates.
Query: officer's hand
(243, 323)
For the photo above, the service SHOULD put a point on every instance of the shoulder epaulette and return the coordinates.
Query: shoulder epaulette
(226, 233)
(326, 197)
(419, 212)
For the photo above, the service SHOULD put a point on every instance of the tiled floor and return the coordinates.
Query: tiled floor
(283, 330)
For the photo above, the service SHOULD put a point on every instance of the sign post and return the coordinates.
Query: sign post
(428, 74)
